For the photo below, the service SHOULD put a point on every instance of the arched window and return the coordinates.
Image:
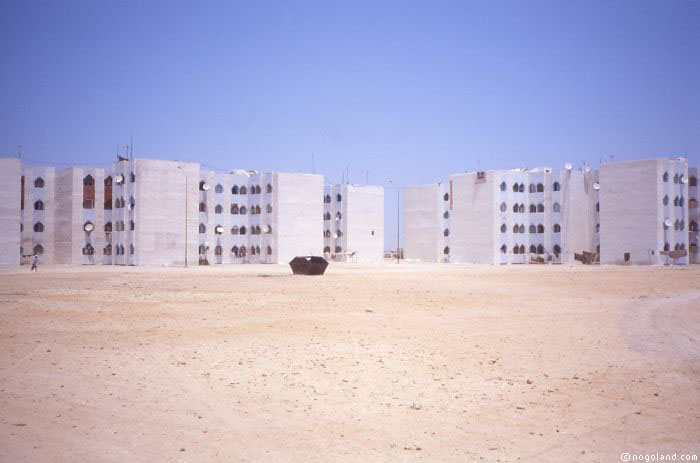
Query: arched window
(522, 249)
(269, 248)
(327, 249)
(234, 230)
(243, 210)
(556, 186)
(533, 188)
(108, 193)
(693, 181)
(218, 189)
(202, 250)
(540, 188)
(446, 197)
(218, 250)
(522, 228)
(243, 251)
(667, 247)
(504, 207)
(533, 208)
(446, 251)
(692, 203)
(234, 251)
(234, 208)
(257, 192)
(38, 205)
(218, 209)
(38, 227)
(557, 228)
(533, 249)
(515, 208)
(676, 179)
(39, 182)
(132, 225)
(327, 234)
(38, 249)
(521, 208)
(202, 207)
(597, 207)
(681, 201)
(243, 190)
(521, 188)
(597, 228)
(201, 186)
(675, 201)
(515, 187)
(676, 225)
(504, 249)
(243, 230)
(252, 250)
(533, 229)
(327, 216)
(446, 232)
(540, 207)
(557, 250)
(556, 207)
(327, 199)
(132, 177)
(665, 177)
(665, 200)
(269, 208)
(234, 191)
(108, 227)
(693, 226)
(88, 192)
(338, 215)
(515, 228)
(338, 197)
(88, 250)
(540, 249)
(503, 186)
(503, 228)
(516, 249)
(446, 215)
(269, 188)
(107, 250)
(257, 209)
(257, 229)
(540, 228)
(202, 228)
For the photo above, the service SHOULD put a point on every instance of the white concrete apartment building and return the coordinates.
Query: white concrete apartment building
(644, 210)
(152, 212)
(353, 220)
(627, 212)
(502, 217)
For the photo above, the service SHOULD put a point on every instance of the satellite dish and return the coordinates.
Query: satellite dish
(667, 223)
(587, 169)
(131, 206)
(88, 227)
(219, 229)
(684, 180)
(335, 235)
(205, 187)
(119, 179)
(596, 186)
(568, 166)
(267, 229)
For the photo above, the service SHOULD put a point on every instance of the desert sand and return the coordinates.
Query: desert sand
(368, 363)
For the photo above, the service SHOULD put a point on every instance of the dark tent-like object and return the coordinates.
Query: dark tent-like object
(308, 265)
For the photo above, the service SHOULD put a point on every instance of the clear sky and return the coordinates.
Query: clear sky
(405, 91)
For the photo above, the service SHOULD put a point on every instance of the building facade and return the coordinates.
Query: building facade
(535, 215)
(153, 212)
(353, 220)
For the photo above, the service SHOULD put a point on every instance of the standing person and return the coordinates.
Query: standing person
(35, 263)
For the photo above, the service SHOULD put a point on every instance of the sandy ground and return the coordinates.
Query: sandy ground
(367, 363)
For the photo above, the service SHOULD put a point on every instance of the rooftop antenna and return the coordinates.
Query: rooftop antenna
(131, 146)
(19, 151)
(367, 178)
(478, 164)
(347, 175)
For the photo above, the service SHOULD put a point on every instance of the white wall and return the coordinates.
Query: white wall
(364, 222)
(298, 215)
(422, 220)
(10, 194)
(473, 219)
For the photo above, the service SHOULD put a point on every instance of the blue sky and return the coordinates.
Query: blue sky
(408, 91)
